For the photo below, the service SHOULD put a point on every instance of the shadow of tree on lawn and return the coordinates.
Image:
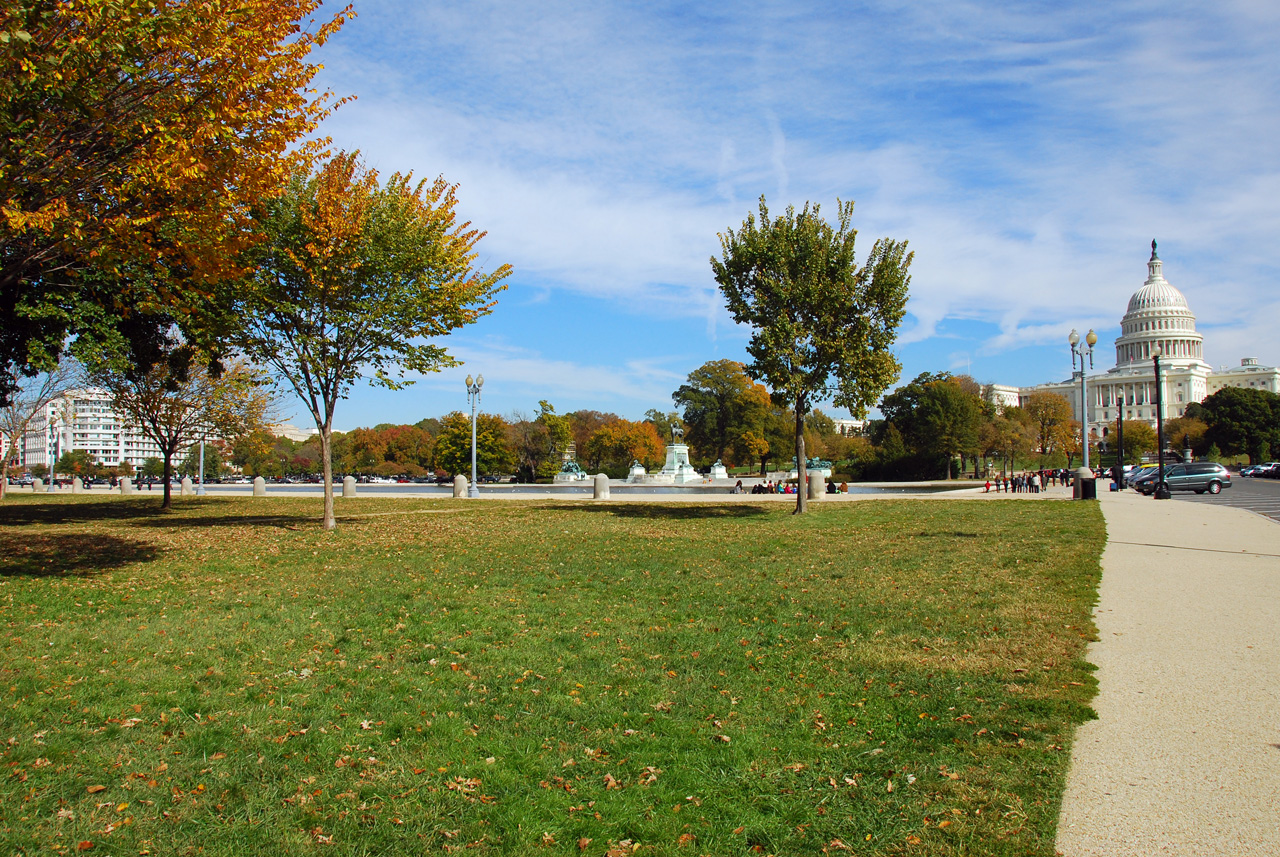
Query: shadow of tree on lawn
(669, 511)
(70, 554)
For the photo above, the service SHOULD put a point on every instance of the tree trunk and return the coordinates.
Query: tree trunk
(168, 477)
(802, 470)
(326, 435)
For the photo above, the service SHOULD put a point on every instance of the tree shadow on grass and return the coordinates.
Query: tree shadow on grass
(48, 512)
(70, 554)
(669, 511)
(282, 522)
(143, 512)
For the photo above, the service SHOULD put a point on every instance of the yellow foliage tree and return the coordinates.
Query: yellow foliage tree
(133, 136)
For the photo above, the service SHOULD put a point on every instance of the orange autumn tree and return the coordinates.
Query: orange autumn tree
(133, 135)
(359, 277)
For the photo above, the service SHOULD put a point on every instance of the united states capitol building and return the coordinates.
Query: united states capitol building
(1157, 314)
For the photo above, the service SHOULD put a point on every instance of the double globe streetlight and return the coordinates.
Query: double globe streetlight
(473, 396)
(1162, 487)
(1082, 350)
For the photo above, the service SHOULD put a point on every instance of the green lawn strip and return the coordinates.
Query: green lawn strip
(886, 677)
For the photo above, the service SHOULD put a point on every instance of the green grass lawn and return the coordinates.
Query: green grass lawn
(879, 677)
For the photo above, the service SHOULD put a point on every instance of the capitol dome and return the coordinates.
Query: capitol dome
(1157, 295)
(1158, 313)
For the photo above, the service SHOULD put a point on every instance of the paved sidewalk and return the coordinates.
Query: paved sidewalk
(1184, 758)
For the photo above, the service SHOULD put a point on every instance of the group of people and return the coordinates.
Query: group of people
(771, 487)
(1028, 483)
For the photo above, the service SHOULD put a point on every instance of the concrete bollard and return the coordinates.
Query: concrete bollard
(37, 486)
(601, 487)
(76, 485)
(126, 486)
(817, 485)
(184, 487)
(348, 486)
(459, 487)
(259, 486)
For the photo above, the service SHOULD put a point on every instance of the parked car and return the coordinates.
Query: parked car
(1198, 476)
(1252, 470)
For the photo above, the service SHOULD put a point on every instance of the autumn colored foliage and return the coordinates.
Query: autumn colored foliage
(133, 136)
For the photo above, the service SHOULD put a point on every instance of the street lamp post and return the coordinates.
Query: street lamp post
(200, 485)
(1082, 350)
(473, 395)
(1120, 438)
(1162, 489)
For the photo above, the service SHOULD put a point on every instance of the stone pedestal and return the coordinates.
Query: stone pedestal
(601, 487)
(637, 473)
(259, 486)
(76, 485)
(348, 486)
(817, 485)
(719, 471)
(126, 486)
(677, 469)
(459, 487)
(184, 487)
(37, 486)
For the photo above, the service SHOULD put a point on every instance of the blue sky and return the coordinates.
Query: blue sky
(1028, 152)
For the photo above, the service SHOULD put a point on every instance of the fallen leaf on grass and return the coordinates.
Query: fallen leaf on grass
(685, 839)
(85, 845)
(610, 782)
(93, 790)
(583, 843)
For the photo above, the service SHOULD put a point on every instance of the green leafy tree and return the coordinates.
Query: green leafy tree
(213, 462)
(453, 445)
(720, 402)
(1243, 421)
(152, 468)
(76, 462)
(822, 326)
(951, 417)
(357, 275)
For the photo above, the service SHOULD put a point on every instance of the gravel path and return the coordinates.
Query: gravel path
(1184, 758)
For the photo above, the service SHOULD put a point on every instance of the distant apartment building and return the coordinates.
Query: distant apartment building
(84, 420)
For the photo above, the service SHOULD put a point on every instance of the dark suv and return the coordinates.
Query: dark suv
(1198, 476)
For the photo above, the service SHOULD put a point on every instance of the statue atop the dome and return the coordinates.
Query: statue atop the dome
(1153, 249)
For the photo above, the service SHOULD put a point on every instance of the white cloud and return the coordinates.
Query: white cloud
(1029, 154)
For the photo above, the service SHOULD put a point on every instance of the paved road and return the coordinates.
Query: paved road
(1257, 495)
